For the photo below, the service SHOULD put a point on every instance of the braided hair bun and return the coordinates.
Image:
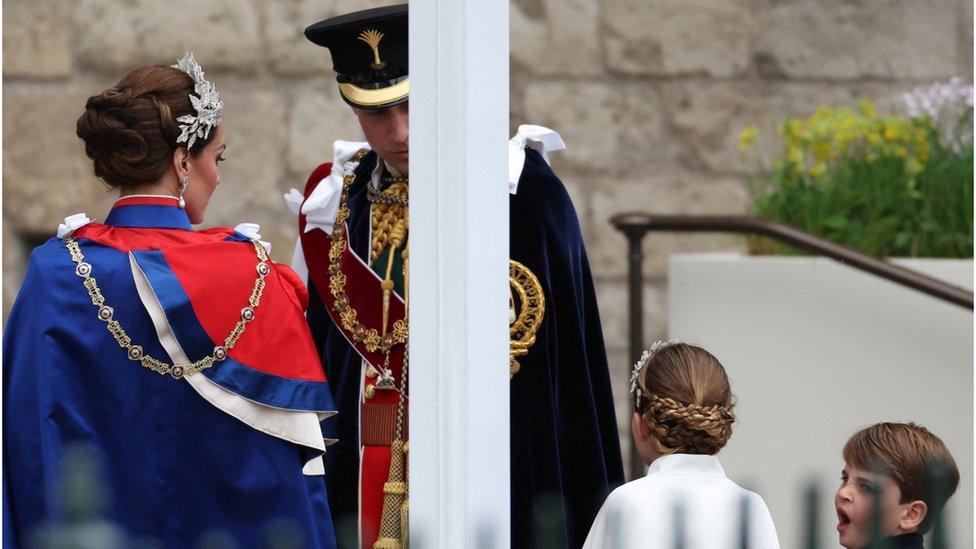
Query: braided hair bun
(690, 402)
(130, 130)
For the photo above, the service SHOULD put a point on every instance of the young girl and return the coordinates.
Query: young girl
(682, 418)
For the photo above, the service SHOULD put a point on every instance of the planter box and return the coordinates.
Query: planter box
(816, 350)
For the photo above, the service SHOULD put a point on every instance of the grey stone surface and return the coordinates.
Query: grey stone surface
(46, 175)
(664, 193)
(619, 376)
(678, 37)
(857, 39)
(346, 6)
(646, 139)
(614, 306)
(317, 119)
(965, 42)
(36, 39)
(586, 114)
(118, 36)
(289, 51)
(607, 128)
(555, 37)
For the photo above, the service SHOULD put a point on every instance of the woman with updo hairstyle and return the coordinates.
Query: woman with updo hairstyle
(176, 361)
(683, 416)
(131, 133)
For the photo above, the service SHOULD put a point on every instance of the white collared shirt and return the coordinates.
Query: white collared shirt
(376, 178)
(685, 488)
(377, 175)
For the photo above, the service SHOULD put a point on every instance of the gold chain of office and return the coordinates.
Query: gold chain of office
(390, 196)
(348, 316)
(135, 352)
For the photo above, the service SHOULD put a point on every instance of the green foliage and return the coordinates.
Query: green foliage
(883, 185)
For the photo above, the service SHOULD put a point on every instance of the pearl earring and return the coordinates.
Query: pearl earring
(183, 185)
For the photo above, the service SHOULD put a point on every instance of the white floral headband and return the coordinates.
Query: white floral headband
(206, 102)
(635, 389)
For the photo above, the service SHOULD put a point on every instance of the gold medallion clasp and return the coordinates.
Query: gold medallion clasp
(528, 305)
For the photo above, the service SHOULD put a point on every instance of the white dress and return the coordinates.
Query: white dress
(690, 490)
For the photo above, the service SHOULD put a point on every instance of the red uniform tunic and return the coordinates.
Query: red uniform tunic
(344, 281)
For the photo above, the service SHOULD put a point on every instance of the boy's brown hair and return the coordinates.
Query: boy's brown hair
(916, 459)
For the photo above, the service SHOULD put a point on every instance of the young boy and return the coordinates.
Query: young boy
(907, 470)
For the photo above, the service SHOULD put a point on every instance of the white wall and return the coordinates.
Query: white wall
(816, 350)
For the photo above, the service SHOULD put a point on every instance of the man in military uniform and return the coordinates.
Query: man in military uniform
(354, 226)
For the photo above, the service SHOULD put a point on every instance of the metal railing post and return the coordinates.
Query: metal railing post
(635, 307)
(811, 500)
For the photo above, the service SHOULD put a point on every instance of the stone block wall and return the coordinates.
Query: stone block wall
(649, 95)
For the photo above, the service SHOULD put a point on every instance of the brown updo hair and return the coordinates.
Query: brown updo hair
(130, 130)
(688, 402)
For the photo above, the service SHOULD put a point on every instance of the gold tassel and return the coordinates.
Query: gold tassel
(392, 523)
(405, 524)
(394, 520)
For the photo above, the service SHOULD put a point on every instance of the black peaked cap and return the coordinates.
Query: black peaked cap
(369, 54)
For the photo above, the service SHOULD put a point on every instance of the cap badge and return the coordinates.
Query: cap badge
(372, 38)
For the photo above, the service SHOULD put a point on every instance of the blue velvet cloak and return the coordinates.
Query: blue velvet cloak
(173, 465)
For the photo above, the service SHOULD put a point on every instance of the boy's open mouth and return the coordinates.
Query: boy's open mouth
(843, 521)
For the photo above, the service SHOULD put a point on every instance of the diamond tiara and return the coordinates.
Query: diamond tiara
(206, 102)
(635, 389)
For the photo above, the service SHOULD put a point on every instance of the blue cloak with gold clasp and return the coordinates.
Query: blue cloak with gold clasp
(565, 448)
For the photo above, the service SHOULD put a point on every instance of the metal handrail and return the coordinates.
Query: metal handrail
(635, 227)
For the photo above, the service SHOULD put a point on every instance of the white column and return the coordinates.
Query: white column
(459, 388)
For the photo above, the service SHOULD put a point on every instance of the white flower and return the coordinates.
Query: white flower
(949, 106)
